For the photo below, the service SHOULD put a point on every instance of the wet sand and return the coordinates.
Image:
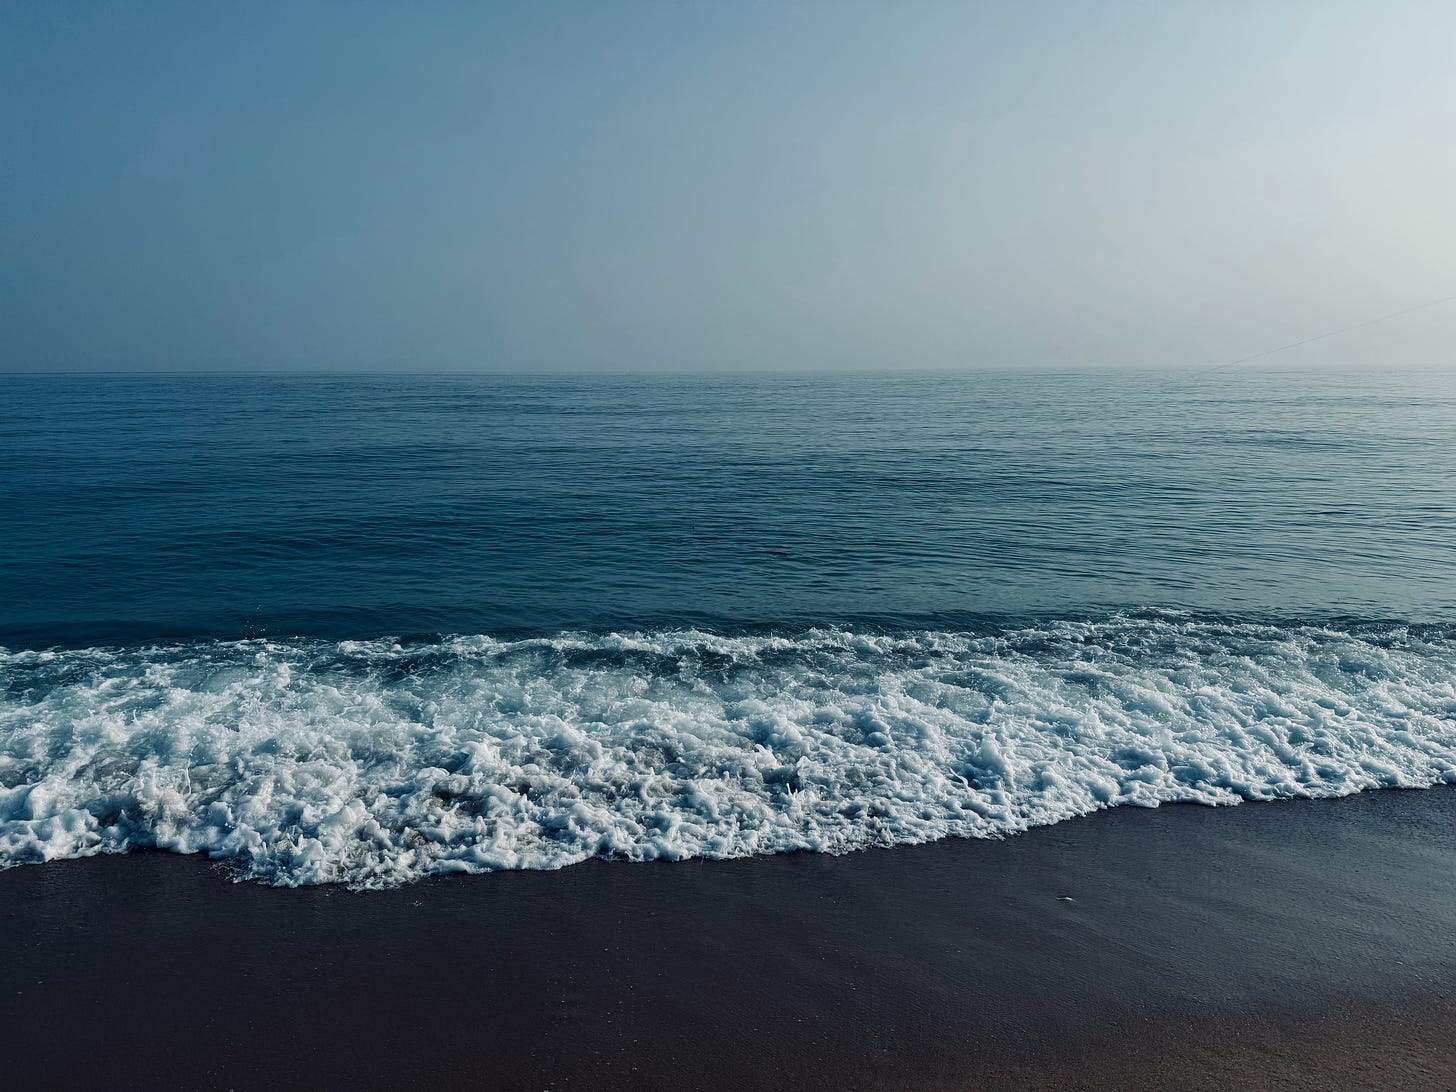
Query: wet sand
(1298, 944)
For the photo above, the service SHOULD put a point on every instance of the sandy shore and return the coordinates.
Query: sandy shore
(1296, 944)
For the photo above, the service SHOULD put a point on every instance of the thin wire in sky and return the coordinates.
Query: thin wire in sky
(1334, 333)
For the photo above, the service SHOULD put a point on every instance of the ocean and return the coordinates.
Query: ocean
(363, 629)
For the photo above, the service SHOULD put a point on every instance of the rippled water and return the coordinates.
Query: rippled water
(350, 507)
(367, 629)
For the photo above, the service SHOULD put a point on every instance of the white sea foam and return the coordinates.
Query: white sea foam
(374, 763)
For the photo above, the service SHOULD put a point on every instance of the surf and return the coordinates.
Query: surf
(374, 763)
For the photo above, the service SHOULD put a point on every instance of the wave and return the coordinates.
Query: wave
(374, 763)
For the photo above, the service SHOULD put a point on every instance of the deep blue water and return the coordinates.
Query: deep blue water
(137, 508)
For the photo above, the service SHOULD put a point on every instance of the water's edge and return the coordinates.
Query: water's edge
(374, 763)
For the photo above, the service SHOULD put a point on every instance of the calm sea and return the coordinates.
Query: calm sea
(138, 508)
(368, 628)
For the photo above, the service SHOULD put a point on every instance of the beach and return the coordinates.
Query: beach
(728, 732)
(1291, 944)
(728, 547)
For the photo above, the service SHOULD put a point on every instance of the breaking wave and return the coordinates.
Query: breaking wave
(374, 763)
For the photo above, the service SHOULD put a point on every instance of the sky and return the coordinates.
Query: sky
(701, 186)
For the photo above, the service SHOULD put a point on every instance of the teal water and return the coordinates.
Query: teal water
(138, 508)
(367, 629)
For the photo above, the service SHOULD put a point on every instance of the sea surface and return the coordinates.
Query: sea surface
(365, 629)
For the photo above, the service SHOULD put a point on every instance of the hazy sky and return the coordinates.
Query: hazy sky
(683, 186)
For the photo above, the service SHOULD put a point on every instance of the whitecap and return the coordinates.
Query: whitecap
(374, 763)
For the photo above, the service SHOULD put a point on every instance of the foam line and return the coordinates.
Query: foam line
(373, 763)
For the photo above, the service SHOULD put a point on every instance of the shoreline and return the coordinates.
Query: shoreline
(1289, 944)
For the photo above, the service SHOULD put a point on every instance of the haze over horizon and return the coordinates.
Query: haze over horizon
(665, 187)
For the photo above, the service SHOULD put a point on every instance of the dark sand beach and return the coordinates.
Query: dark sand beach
(1301, 944)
